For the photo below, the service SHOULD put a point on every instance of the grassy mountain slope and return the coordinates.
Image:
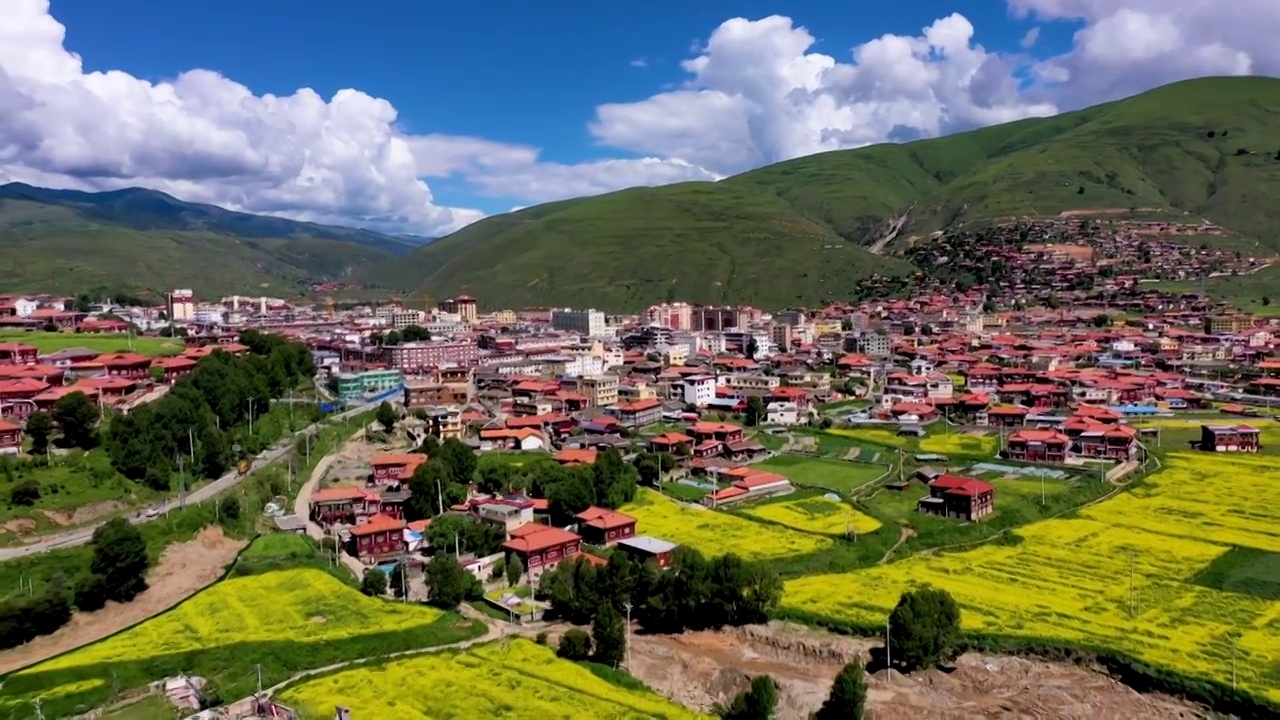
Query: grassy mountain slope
(141, 240)
(796, 230)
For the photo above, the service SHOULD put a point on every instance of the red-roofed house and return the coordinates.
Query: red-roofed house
(46, 400)
(10, 438)
(958, 497)
(720, 432)
(340, 504)
(395, 467)
(18, 354)
(1229, 438)
(17, 396)
(1030, 445)
(126, 365)
(670, 442)
(381, 538)
(600, 526)
(174, 367)
(544, 548)
(638, 413)
(576, 456)
(745, 482)
(1007, 415)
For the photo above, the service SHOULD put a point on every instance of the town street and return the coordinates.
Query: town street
(81, 535)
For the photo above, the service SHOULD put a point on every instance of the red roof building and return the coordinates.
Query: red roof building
(958, 497)
(601, 526)
(542, 547)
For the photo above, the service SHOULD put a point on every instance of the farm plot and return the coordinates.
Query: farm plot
(1068, 581)
(961, 445)
(516, 680)
(875, 436)
(288, 620)
(837, 475)
(716, 533)
(815, 515)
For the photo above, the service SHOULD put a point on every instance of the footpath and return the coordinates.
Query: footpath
(82, 535)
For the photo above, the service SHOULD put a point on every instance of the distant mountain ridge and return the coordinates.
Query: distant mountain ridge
(138, 239)
(807, 230)
(144, 209)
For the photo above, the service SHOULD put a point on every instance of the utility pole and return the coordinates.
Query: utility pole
(627, 605)
(888, 652)
(191, 443)
(1233, 666)
(39, 712)
(258, 668)
(182, 484)
(1131, 588)
(1042, 489)
(439, 497)
(250, 416)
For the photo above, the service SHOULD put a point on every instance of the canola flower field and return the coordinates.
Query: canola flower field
(712, 532)
(872, 435)
(517, 680)
(961, 444)
(1068, 581)
(816, 515)
(287, 619)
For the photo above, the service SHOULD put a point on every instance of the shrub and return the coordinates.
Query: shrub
(25, 493)
(575, 644)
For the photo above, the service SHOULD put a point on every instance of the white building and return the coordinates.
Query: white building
(182, 305)
(782, 413)
(588, 323)
(581, 365)
(699, 390)
(24, 307)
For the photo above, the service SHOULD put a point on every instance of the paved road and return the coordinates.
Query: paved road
(81, 535)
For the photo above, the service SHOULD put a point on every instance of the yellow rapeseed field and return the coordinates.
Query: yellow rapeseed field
(516, 680)
(960, 444)
(302, 605)
(712, 532)
(1070, 578)
(872, 435)
(816, 515)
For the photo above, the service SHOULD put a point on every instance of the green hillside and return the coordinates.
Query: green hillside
(799, 231)
(140, 240)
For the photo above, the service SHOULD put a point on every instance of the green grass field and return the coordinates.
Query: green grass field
(1258, 293)
(75, 481)
(795, 232)
(52, 342)
(838, 475)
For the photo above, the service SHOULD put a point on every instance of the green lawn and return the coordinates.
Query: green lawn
(838, 475)
(52, 342)
(1244, 570)
(74, 480)
(152, 707)
(684, 492)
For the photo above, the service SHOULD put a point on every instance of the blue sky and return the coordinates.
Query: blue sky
(512, 93)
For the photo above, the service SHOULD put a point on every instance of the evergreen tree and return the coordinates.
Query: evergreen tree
(848, 698)
(77, 417)
(924, 628)
(609, 636)
(120, 559)
(386, 416)
(448, 584)
(514, 570)
(374, 582)
(39, 429)
(575, 644)
(757, 702)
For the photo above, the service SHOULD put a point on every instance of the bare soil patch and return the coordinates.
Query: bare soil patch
(19, 526)
(84, 514)
(703, 668)
(184, 569)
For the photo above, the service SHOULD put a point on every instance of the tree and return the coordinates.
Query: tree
(25, 493)
(757, 702)
(608, 636)
(459, 459)
(39, 428)
(386, 416)
(374, 582)
(752, 347)
(924, 628)
(514, 570)
(229, 508)
(415, 333)
(427, 488)
(448, 584)
(848, 698)
(120, 559)
(77, 416)
(495, 477)
(575, 644)
(755, 411)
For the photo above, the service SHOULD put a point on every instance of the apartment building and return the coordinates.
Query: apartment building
(588, 323)
(601, 390)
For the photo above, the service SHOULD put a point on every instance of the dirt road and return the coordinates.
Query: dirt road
(184, 569)
(700, 669)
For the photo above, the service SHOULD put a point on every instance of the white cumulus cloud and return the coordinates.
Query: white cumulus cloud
(207, 138)
(755, 91)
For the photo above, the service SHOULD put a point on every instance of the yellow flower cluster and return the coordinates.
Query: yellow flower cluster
(1117, 576)
(960, 444)
(299, 605)
(872, 435)
(514, 680)
(715, 533)
(816, 515)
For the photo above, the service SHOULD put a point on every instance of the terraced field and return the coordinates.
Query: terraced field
(1068, 581)
(518, 680)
